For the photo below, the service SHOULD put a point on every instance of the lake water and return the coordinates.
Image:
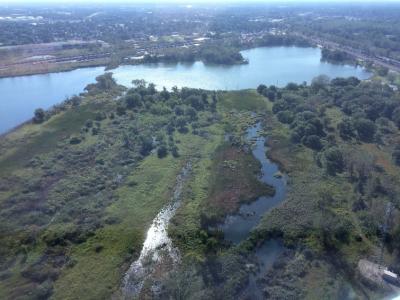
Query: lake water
(267, 65)
(20, 96)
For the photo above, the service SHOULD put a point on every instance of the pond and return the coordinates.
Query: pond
(20, 96)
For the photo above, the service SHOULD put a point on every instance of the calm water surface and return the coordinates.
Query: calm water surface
(20, 96)
(268, 65)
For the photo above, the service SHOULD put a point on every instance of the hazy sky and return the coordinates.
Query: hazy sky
(188, 1)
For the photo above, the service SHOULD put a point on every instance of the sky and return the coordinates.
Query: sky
(9, 2)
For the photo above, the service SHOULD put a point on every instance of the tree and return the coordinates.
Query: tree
(346, 128)
(191, 112)
(313, 142)
(139, 83)
(196, 102)
(291, 86)
(74, 140)
(121, 110)
(146, 145)
(271, 95)
(396, 116)
(165, 94)
(396, 156)
(151, 89)
(105, 81)
(334, 160)
(39, 116)
(285, 116)
(320, 82)
(261, 88)
(162, 151)
(133, 100)
(365, 129)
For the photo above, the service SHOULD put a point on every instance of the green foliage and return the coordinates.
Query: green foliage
(334, 160)
(162, 151)
(39, 116)
(133, 100)
(285, 116)
(366, 129)
(336, 56)
(396, 155)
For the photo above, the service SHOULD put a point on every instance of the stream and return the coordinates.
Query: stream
(237, 227)
(157, 247)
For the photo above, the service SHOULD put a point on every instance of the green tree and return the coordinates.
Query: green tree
(162, 151)
(261, 88)
(334, 160)
(365, 129)
(396, 155)
(133, 100)
(313, 142)
(39, 116)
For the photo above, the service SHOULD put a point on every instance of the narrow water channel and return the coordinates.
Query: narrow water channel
(237, 227)
(157, 246)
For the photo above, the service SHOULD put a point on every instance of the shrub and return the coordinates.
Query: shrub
(75, 140)
(313, 142)
(334, 160)
(261, 88)
(162, 151)
(365, 129)
(396, 156)
(39, 116)
(133, 100)
(285, 116)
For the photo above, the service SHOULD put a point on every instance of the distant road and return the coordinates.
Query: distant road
(377, 60)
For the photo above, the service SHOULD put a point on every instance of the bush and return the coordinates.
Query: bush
(121, 110)
(396, 156)
(261, 88)
(346, 129)
(285, 116)
(334, 160)
(74, 140)
(39, 116)
(133, 100)
(313, 142)
(162, 151)
(365, 129)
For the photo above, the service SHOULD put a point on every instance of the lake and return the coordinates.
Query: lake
(20, 96)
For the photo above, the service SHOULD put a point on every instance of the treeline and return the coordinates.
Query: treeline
(336, 56)
(271, 40)
(219, 54)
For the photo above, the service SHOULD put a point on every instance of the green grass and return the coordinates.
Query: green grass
(245, 100)
(57, 129)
